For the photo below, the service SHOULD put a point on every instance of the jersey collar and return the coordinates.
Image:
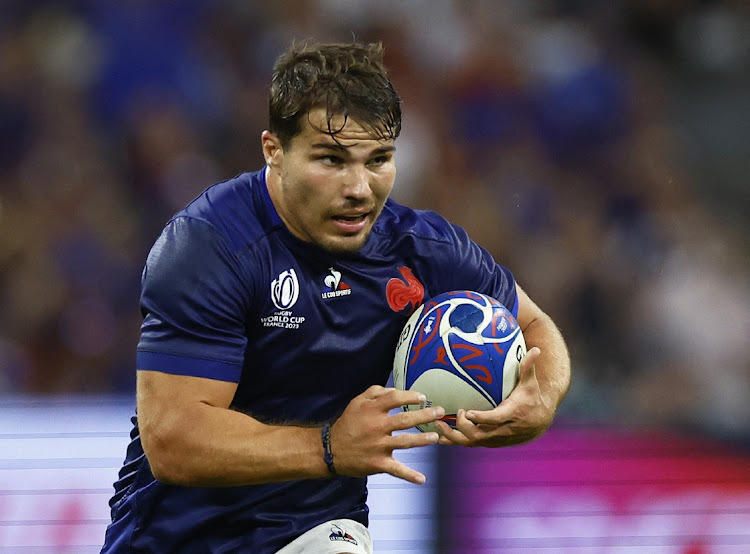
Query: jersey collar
(275, 217)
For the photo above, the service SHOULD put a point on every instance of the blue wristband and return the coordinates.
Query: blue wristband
(327, 454)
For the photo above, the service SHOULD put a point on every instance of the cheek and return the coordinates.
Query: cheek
(384, 184)
(316, 189)
(305, 186)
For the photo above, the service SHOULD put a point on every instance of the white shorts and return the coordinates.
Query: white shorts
(338, 536)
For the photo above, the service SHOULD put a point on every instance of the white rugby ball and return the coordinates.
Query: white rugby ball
(461, 349)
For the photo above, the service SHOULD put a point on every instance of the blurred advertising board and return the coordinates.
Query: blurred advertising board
(597, 490)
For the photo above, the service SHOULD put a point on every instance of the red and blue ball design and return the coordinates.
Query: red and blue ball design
(461, 349)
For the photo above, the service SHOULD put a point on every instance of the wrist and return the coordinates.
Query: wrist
(327, 450)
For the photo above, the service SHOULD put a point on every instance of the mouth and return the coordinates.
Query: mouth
(351, 223)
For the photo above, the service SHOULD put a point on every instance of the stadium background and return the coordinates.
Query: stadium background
(599, 149)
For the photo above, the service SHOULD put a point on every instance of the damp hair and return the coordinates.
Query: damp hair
(347, 80)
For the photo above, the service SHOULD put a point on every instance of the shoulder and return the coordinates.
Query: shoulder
(193, 273)
(398, 220)
(233, 208)
(212, 237)
(442, 254)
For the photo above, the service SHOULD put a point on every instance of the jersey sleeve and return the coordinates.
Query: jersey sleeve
(471, 267)
(193, 303)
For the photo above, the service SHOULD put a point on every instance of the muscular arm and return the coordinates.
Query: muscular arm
(192, 438)
(553, 363)
(530, 408)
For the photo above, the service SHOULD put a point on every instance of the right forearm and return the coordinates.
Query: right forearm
(212, 446)
(192, 438)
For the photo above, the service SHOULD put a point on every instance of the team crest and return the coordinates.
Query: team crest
(407, 291)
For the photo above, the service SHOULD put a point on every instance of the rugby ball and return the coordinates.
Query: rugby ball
(461, 349)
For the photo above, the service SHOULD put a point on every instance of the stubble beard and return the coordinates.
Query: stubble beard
(350, 245)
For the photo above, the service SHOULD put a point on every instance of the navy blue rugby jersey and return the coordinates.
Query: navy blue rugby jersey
(229, 293)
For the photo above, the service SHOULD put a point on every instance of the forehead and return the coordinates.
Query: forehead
(348, 131)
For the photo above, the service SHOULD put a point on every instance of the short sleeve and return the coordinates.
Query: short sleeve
(468, 266)
(194, 304)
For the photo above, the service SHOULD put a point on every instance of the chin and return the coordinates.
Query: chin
(344, 245)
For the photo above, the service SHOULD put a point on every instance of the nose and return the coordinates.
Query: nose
(357, 182)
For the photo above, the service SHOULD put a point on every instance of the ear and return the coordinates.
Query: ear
(272, 149)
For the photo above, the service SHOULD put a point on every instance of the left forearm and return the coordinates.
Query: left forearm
(553, 365)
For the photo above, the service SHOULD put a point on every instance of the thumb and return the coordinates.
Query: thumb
(528, 364)
(504, 411)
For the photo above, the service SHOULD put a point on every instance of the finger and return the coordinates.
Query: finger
(504, 412)
(501, 415)
(402, 471)
(465, 425)
(477, 434)
(407, 420)
(414, 440)
(394, 398)
(442, 427)
(376, 391)
(451, 435)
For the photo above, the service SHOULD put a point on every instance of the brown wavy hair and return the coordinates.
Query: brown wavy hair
(348, 80)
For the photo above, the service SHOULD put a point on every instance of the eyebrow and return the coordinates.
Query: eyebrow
(343, 148)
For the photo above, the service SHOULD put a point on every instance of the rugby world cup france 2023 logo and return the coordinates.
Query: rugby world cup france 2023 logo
(285, 290)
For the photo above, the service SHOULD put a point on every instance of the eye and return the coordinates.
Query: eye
(331, 160)
(380, 160)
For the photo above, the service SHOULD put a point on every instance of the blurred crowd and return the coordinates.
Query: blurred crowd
(599, 149)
